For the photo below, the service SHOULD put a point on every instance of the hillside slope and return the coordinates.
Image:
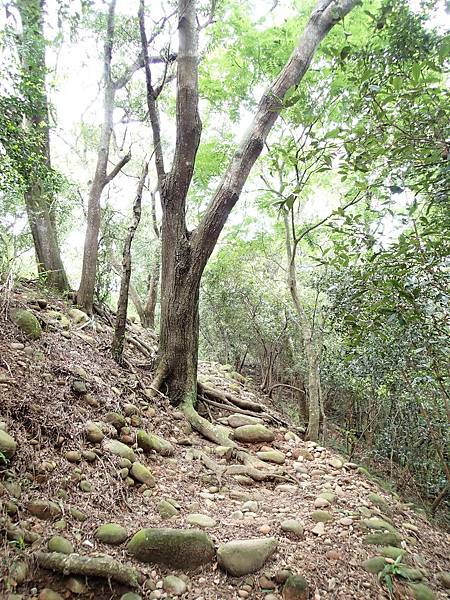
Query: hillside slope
(65, 405)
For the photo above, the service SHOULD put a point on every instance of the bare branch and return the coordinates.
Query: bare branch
(123, 161)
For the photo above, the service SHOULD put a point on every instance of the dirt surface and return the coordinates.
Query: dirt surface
(47, 418)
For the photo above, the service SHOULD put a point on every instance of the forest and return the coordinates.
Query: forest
(258, 189)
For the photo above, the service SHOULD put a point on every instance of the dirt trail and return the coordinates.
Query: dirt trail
(320, 509)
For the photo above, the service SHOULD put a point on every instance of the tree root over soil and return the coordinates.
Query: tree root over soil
(251, 466)
(96, 566)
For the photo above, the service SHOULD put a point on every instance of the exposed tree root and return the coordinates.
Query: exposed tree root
(97, 566)
(252, 466)
(209, 431)
(226, 398)
(234, 409)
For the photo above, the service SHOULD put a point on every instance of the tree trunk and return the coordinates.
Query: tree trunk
(312, 432)
(312, 345)
(152, 298)
(122, 305)
(38, 200)
(85, 295)
(178, 342)
(185, 254)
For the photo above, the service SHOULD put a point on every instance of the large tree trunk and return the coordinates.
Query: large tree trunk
(185, 254)
(38, 200)
(178, 342)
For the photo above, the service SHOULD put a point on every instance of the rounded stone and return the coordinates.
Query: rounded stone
(93, 433)
(174, 585)
(295, 588)
(7, 444)
(111, 533)
(48, 594)
(58, 543)
(85, 486)
(27, 322)
(120, 449)
(241, 557)
(321, 516)
(200, 520)
(292, 526)
(176, 548)
(142, 474)
(73, 456)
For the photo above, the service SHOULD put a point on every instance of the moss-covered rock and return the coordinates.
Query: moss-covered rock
(237, 420)
(383, 539)
(174, 585)
(253, 434)
(422, 592)
(392, 552)
(377, 525)
(93, 433)
(329, 496)
(27, 322)
(111, 533)
(176, 548)
(58, 543)
(272, 456)
(203, 521)
(44, 509)
(60, 318)
(115, 419)
(78, 514)
(140, 473)
(151, 441)
(321, 516)
(120, 449)
(295, 588)
(374, 565)
(7, 444)
(444, 578)
(166, 509)
(378, 501)
(409, 573)
(241, 557)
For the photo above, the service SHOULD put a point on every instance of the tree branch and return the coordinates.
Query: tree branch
(122, 162)
(326, 14)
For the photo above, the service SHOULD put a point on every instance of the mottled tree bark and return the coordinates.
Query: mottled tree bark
(39, 200)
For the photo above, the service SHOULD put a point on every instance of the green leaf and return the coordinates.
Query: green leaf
(416, 71)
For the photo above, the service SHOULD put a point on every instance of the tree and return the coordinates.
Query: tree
(85, 295)
(185, 253)
(122, 304)
(102, 177)
(39, 187)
